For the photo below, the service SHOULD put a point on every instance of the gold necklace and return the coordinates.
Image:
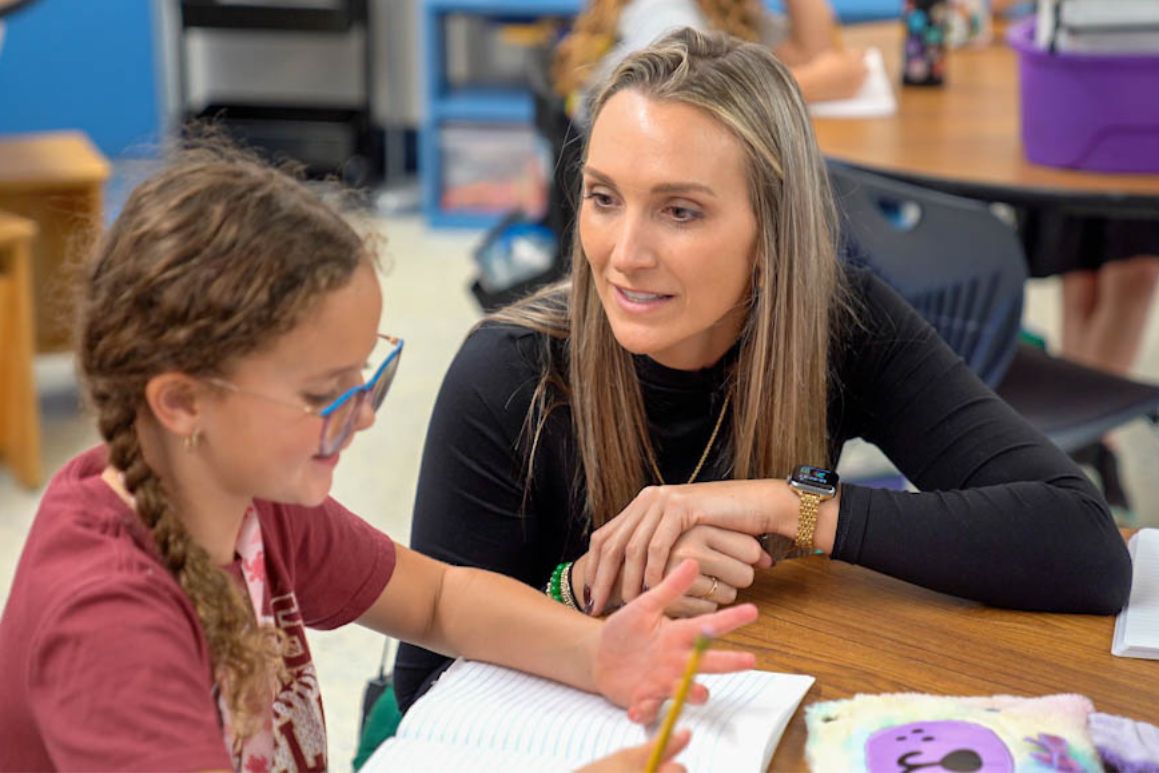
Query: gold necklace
(703, 456)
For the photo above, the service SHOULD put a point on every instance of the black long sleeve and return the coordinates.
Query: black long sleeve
(1002, 516)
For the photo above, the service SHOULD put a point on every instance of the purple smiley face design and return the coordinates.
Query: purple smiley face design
(946, 745)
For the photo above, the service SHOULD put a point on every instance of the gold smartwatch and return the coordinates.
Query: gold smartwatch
(812, 485)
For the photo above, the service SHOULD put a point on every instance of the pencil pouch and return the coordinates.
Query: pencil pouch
(906, 732)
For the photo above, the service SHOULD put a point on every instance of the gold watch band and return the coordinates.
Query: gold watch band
(807, 521)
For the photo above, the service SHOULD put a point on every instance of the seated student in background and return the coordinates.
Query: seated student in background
(1109, 269)
(804, 39)
(156, 620)
(708, 344)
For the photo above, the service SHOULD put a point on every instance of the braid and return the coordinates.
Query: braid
(739, 18)
(247, 658)
(209, 260)
(592, 35)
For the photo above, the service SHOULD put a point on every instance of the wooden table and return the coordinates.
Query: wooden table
(19, 409)
(858, 631)
(55, 180)
(965, 138)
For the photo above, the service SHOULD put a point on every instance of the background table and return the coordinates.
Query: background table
(858, 631)
(54, 179)
(964, 137)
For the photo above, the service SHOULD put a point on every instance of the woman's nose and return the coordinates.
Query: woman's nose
(633, 249)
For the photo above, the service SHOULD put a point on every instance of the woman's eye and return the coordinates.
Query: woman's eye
(601, 200)
(683, 214)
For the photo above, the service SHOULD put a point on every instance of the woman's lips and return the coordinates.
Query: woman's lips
(640, 300)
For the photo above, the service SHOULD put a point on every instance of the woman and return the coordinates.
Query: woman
(706, 347)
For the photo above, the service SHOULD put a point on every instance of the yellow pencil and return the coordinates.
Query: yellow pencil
(698, 648)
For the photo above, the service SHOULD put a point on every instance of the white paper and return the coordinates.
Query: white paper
(875, 98)
(482, 717)
(1137, 627)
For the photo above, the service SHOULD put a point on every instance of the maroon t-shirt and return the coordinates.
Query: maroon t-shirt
(103, 663)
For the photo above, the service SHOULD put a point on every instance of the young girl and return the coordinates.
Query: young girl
(157, 617)
(689, 388)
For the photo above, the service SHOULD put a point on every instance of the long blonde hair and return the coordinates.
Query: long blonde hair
(593, 33)
(209, 260)
(781, 378)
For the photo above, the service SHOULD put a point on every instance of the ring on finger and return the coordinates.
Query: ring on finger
(712, 589)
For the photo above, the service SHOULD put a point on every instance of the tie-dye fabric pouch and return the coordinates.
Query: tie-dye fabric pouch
(906, 732)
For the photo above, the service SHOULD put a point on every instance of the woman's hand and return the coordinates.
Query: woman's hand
(636, 758)
(640, 654)
(636, 545)
(728, 562)
(726, 559)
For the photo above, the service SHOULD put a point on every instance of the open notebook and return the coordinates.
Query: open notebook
(1137, 627)
(481, 717)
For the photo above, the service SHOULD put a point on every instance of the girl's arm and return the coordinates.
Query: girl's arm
(633, 659)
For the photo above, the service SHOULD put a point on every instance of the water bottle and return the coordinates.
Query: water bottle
(924, 52)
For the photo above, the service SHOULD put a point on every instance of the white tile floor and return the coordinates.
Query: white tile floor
(427, 302)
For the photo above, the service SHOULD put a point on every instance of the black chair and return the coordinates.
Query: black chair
(964, 270)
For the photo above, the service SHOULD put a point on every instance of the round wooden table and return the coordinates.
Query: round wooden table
(965, 138)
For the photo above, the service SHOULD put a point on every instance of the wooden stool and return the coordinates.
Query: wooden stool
(53, 179)
(19, 408)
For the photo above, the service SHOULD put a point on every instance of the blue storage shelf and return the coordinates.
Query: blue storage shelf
(501, 8)
(444, 105)
(486, 105)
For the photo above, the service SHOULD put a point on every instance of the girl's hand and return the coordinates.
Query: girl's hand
(640, 655)
(636, 545)
(635, 758)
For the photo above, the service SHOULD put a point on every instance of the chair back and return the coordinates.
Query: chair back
(959, 265)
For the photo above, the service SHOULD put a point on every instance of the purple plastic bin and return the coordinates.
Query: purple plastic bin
(1087, 111)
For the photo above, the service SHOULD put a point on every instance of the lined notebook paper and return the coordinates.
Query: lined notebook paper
(874, 98)
(481, 717)
(1137, 627)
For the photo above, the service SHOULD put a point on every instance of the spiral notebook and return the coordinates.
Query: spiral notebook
(1137, 627)
(481, 717)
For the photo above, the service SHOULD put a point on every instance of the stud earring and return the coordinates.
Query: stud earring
(192, 440)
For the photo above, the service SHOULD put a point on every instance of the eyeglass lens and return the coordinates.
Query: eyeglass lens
(340, 423)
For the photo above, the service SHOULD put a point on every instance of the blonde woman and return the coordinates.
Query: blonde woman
(804, 39)
(689, 388)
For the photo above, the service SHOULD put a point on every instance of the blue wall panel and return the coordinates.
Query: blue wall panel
(81, 64)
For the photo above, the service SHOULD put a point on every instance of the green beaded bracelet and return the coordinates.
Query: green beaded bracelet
(559, 586)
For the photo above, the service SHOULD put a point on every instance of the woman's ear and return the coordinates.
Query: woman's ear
(176, 401)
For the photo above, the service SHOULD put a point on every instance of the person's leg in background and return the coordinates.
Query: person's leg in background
(1109, 270)
(1105, 311)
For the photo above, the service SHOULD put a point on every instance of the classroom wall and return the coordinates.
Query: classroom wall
(81, 64)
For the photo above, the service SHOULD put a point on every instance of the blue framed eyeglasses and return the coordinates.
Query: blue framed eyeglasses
(340, 416)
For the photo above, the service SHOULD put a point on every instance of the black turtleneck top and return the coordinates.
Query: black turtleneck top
(1001, 516)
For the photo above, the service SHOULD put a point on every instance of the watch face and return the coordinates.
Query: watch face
(817, 478)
